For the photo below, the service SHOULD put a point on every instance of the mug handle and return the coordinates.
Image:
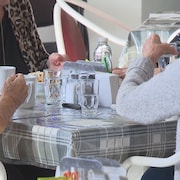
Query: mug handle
(29, 91)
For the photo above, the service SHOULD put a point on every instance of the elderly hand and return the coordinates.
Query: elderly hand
(56, 61)
(15, 90)
(153, 48)
(12, 96)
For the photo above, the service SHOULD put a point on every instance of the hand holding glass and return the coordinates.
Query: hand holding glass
(166, 59)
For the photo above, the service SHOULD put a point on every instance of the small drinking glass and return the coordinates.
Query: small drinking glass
(89, 97)
(54, 87)
(166, 59)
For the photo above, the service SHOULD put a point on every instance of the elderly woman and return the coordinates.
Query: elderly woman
(19, 40)
(144, 98)
(13, 94)
(21, 47)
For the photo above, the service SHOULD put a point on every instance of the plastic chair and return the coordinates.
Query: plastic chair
(69, 39)
(60, 38)
(3, 175)
(44, 21)
(151, 161)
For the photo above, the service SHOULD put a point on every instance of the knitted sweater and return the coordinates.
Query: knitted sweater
(144, 98)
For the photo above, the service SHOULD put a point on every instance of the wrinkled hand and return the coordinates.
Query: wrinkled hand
(13, 94)
(15, 90)
(56, 61)
(121, 72)
(153, 48)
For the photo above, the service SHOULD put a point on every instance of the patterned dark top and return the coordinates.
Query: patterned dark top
(30, 53)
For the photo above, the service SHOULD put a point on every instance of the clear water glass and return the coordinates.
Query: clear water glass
(89, 97)
(166, 59)
(54, 86)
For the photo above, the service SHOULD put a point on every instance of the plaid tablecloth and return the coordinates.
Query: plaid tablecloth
(42, 136)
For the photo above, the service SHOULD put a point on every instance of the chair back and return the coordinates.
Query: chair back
(68, 35)
(73, 40)
(91, 25)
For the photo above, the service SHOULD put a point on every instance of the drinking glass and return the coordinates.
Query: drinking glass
(89, 97)
(54, 87)
(166, 59)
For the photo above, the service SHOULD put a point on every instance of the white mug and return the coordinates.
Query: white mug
(5, 72)
(31, 98)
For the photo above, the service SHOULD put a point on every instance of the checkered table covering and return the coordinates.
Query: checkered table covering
(44, 135)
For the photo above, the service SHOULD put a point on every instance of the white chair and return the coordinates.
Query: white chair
(62, 4)
(151, 161)
(69, 39)
(3, 175)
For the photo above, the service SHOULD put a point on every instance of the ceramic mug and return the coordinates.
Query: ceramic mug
(31, 97)
(5, 72)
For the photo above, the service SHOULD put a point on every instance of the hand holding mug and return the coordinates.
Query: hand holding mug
(13, 94)
(31, 97)
(15, 89)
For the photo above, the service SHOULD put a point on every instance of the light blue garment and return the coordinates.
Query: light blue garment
(146, 98)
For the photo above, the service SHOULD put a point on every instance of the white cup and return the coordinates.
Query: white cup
(40, 89)
(5, 72)
(31, 98)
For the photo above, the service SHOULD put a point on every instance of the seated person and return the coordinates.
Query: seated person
(144, 98)
(21, 47)
(13, 94)
(20, 43)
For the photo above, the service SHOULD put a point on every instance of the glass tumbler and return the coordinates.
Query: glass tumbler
(54, 86)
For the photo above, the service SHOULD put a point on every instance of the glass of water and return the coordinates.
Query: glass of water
(89, 97)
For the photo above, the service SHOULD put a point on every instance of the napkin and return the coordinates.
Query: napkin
(108, 88)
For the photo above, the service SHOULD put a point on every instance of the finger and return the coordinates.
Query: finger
(10, 79)
(156, 39)
(168, 49)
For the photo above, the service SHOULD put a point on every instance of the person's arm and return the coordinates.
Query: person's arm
(144, 98)
(12, 96)
(6, 111)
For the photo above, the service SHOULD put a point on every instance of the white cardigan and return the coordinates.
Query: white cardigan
(144, 98)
